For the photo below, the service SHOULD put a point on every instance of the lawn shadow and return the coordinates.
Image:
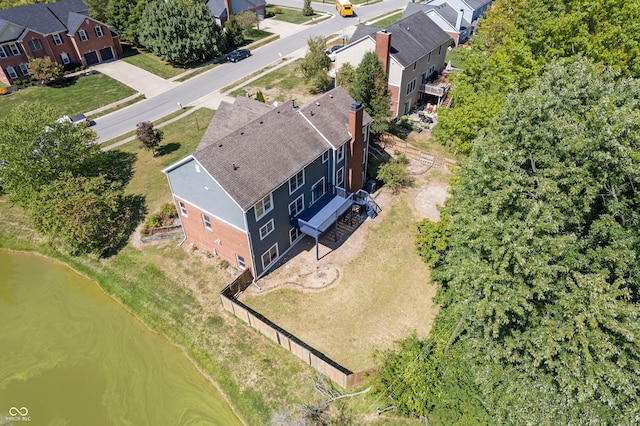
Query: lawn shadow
(116, 165)
(168, 148)
(133, 209)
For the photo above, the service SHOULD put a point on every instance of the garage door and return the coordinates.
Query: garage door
(91, 58)
(106, 54)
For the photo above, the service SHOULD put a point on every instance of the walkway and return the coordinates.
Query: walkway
(138, 79)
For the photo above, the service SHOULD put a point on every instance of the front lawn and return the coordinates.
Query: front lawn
(386, 19)
(289, 14)
(78, 96)
(149, 62)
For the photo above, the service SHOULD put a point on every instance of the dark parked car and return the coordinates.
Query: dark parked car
(238, 55)
(331, 52)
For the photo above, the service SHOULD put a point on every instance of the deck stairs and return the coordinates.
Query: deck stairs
(363, 198)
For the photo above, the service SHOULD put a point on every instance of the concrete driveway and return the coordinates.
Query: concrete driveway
(136, 78)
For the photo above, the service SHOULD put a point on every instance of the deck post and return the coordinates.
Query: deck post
(335, 230)
(317, 256)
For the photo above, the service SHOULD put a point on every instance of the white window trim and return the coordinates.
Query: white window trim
(340, 176)
(15, 50)
(411, 86)
(298, 235)
(293, 203)
(64, 56)
(183, 209)
(32, 45)
(240, 262)
(267, 230)
(295, 179)
(206, 219)
(83, 35)
(24, 69)
(264, 211)
(273, 259)
(12, 72)
(98, 29)
(3, 53)
(57, 38)
(340, 153)
(313, 187)
(325, 157)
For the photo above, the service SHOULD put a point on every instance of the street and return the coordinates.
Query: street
(125, 120)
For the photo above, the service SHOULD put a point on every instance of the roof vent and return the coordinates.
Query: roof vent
(261, 121)
(235, 167)
(241, 133)
(220, 146)
(311, 112)
(293, 104)
(317, 103)
(331, 95)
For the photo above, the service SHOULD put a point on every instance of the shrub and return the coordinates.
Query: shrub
(277, 11)
(394, 174)
(3, 91)
(168, 211)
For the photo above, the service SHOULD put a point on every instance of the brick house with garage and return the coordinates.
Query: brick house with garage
(63, 31)
(412, 52)
(264, 176)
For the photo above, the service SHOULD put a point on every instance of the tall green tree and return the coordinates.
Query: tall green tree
(247, 19)
(345, 75)
(315, 64)
(125, 16)
(307, 10)
(233, 33)
(181, 31)
(35, 150)
(98, 9)
(370, 88)
(543, 254)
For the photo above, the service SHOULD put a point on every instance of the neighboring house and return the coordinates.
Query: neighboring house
(264, 176)
(450, 20)
(63, 31)
(473, 9)
(412, 52)
(221, 10)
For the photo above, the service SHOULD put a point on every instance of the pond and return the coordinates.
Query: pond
(69, 354)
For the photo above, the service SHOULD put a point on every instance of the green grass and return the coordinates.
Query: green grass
(80, 96)
(455, 56)
(291, 15)
(279, 85)
(253, 35)
(149, 62)
(117, 107)
(386, 19)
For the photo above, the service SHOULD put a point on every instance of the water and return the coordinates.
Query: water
(71, 355)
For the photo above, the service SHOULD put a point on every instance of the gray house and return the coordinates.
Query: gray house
(450, 20)
(473, 9)
(262, 177)
(221, 10)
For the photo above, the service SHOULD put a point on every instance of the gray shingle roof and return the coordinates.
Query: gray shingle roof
(44, 18)
(477, 4)
(254, 159)
(218, 8)
(412, 37)
(74, 21)
(445, 10)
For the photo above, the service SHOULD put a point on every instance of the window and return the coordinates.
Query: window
(415, 64)
(206, 222)
(317, 190)
(83, 35)
(266, 229)
(35, 45)
(240, 262)
(183, 209)
(411, 86)
(429, 57)
(263, 207)
(297, 206)
(24, 69)
(98, 30)
(12, 72)
(340, 178)
(439, 50)
(341, 153)
(15, 50)
(296, 181)
(270, 256)
(325, 156)
(3, 54)
(57, 40)
(424, 77)
(294, 235)
(65, 58)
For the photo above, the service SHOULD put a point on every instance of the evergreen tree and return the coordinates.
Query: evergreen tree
(181, 31)
(345, 75)
(98, 9)
(125, 16)
(233, 33)
(370, 88)
(307, 10)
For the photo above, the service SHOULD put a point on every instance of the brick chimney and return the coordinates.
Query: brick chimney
(383, 44)
(355, 151)
(227, 5)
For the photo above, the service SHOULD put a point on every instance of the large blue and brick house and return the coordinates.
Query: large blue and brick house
(264, 176)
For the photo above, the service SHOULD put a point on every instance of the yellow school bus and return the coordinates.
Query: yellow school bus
(344, 7)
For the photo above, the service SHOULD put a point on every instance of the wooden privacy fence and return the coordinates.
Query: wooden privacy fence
(337, 373)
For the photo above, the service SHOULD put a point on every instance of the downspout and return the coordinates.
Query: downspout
(253, 259)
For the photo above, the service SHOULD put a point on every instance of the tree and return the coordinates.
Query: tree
(181, 31)
(260, 96)
(370, 87)
(315, 64)
(247, 19)
(84, 214)
(307, 10)
(125, 16)
(35, 150)
(345, 75)
(45, 70)
(233, 32)
(98, 9)
(394, 173)
(542, 257)
(149, 137)
(432, 239)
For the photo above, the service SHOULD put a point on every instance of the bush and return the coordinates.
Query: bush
(3, 91)
(165, 217)
(394, 173)
(277, 11)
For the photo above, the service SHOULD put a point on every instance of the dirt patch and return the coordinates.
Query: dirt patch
(428, 198)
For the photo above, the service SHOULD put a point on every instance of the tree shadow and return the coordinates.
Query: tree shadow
(133, 209)
(116, 165)
(168, 148)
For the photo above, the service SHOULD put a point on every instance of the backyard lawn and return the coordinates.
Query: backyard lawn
(149, 62)
(78, 97)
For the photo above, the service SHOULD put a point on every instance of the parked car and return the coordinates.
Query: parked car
(238, 55)
(75, 120)
(331, 52)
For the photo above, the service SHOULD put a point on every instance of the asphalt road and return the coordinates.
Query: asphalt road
(125, 120)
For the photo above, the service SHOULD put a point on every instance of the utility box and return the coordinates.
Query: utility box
(370, 186)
